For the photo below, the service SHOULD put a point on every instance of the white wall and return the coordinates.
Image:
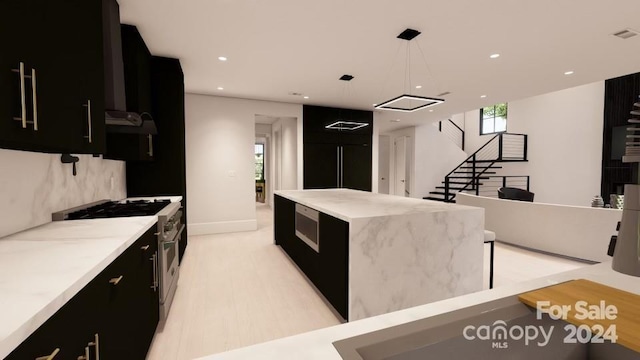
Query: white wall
(287, 156)
(565, 142)
(220, 136)
(435, 156)
(577, 231)
(34, 185)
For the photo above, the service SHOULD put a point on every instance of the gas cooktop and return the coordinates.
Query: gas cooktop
(111, 209)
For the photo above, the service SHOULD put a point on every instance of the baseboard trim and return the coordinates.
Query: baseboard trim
(222, 227)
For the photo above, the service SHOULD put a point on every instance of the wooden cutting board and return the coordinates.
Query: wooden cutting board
(627, 320)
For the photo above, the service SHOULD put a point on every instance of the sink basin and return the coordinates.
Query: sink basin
(443, 337)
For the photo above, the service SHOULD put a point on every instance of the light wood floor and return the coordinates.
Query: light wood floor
(239, 289)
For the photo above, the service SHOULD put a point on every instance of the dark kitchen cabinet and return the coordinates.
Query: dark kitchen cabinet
(61, 44)
(327, 268)
(166, 175)
(115, 315)
(336, 158)
(334, 261)
(136, 58)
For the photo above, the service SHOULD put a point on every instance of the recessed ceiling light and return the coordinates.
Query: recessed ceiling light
(418, 86)
(220, 88)
(430, 110)
(306, 97)
(395, 120)
(222, 58)
(570, 72)
(494, 56)
(375, 104)
(483, 96)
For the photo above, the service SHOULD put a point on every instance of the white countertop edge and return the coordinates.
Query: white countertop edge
(288, 194)
(19, 335)
(318, 344)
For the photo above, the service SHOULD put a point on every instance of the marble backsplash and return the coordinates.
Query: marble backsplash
(34, 185)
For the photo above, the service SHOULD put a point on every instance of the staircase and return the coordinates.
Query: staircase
(481, 165)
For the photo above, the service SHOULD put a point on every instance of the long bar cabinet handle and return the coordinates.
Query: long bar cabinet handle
(35, 99)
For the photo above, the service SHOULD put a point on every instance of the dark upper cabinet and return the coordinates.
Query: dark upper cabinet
(63, 104)
(336, 158)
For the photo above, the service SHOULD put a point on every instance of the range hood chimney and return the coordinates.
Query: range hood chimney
(118, 118)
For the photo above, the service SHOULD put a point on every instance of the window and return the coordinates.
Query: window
(493, 119)
(260, 162)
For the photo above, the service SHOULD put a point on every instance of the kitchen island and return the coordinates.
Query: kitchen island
(378, 253)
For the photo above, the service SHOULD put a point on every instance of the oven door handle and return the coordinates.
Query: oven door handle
(176, 237)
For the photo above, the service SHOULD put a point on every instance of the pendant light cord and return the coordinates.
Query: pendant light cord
(386, 80)
(424, 58)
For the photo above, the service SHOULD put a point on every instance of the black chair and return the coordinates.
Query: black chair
(515, 194)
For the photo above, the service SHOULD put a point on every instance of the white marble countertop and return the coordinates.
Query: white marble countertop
(317, 345)
(44, 267)
(349, 204)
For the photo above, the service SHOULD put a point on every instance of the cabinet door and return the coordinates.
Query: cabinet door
(321, 166)
(334, 262)
(130, 147)
(61, 43)
(19, 43)
(70, 71)
(146, 296)
(356, 167)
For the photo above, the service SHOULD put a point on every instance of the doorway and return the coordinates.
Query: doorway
(402, 168)
(384, 153)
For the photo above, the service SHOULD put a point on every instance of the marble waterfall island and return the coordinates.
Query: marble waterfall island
(380, 253)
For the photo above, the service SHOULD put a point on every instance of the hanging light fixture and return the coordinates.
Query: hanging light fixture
(408, 102)
(341, 123)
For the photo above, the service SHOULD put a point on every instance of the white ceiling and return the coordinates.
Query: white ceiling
(280, 46)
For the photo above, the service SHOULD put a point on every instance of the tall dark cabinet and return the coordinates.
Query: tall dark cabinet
(166, 174)
(336, 158)
(619, 96)
(52, 76)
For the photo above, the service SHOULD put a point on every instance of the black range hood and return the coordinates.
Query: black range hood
(127, 76)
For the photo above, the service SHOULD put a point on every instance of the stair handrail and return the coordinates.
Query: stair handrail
(458, 127)
(473, 155)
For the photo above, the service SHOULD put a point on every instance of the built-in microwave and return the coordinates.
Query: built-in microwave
(307, 228)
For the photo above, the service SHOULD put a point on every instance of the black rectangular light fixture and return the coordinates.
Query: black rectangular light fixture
(423, 102)
(346, 77)
(346, 125)
(409, 34)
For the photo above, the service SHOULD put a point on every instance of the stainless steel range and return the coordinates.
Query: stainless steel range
(169, 231)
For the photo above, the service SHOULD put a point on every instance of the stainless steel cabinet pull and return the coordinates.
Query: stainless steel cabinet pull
(23, 97)
(96, 343)
(89, 122)
(49, 357)
(338, 166)
(154, 260)
(144, 248)
(35, 100)
(150, 137)
(115, 281)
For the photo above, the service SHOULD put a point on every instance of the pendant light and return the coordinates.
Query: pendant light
(408, 102)
(343, 123)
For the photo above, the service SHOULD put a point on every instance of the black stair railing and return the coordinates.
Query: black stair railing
(503, 147)
(453, 132)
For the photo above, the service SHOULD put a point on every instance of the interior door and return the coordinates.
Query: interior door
(384, 151)
(356, 167)
(400, 156)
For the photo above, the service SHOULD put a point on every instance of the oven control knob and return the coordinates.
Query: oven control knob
(168, 226)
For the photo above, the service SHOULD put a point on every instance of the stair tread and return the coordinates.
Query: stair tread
(434, 199)
(477, 172)
(466, 177)
(483, 167)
